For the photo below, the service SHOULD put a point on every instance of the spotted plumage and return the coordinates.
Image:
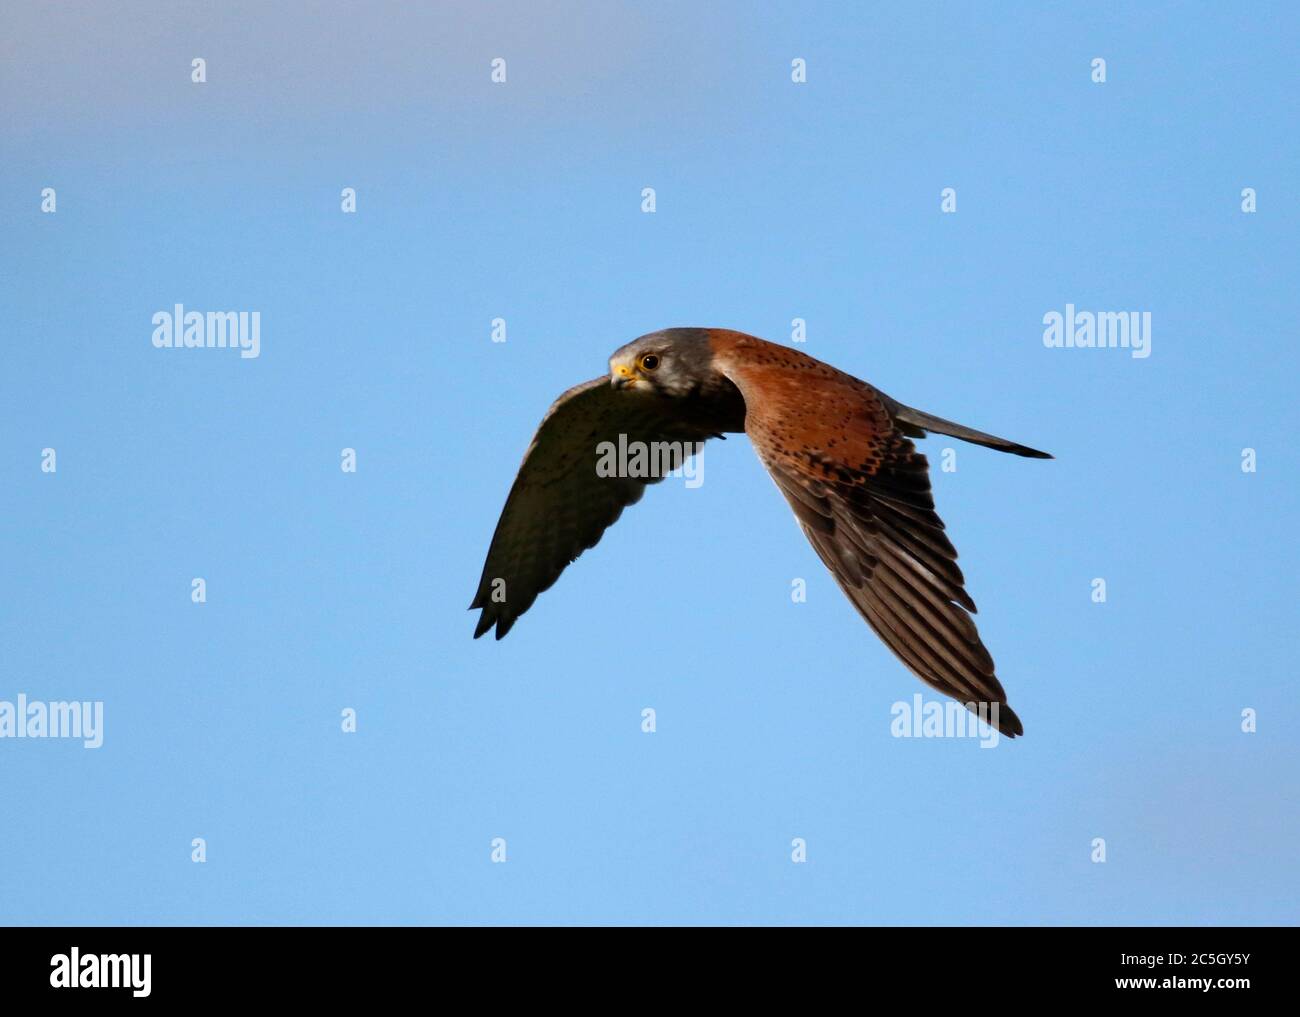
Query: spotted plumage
(839, 450)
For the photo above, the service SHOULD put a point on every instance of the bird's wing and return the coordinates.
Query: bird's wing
(861, 493)
(917, 424)
(560, 504)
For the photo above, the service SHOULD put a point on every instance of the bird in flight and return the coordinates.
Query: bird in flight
(839, 450)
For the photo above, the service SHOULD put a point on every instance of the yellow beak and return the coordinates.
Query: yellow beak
(623, 376)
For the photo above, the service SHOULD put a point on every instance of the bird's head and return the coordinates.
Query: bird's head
(673, 363)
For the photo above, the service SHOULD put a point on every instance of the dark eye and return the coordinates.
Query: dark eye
(649, 362)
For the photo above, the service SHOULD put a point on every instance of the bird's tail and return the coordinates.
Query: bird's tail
(920, 422)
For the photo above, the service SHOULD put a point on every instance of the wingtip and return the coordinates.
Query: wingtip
(1008, 723)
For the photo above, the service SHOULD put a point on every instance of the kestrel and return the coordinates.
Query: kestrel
(838, 449)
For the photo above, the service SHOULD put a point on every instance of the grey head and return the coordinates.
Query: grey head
(673, 362)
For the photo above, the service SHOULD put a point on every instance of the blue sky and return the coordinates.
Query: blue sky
(522, 201)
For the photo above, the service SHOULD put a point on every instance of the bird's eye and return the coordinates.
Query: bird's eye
(649, 362)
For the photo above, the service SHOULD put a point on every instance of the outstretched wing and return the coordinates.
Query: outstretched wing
(560, 504)
(861, 493)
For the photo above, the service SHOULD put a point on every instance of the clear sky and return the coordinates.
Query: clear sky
(522, 200)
